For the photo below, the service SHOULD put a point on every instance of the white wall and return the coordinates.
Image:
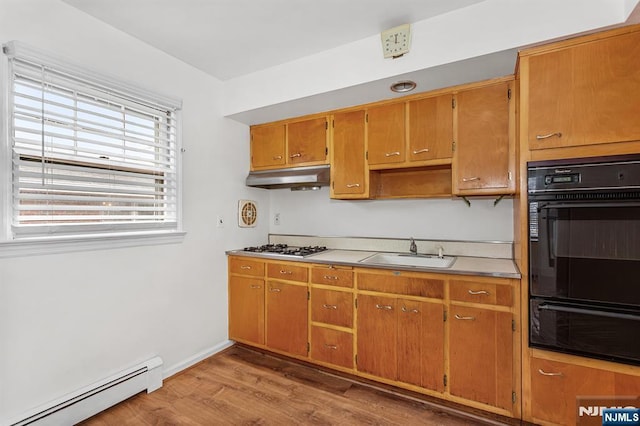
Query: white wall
(313, 213)
(67, 320)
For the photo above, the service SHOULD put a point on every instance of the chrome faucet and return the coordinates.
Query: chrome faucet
(412, 247)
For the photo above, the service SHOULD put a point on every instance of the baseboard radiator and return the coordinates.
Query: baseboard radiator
(88, 401)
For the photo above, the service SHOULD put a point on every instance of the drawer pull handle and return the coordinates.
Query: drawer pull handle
(413, 311)
(297, 154)
(475, 293)
(330, 277)
(353, 185)
(544, 373)
(330, 306)
(283, 272)
(334, 347)
(255, 286)
(421, 151)
(245, 267)
(392, 154)
(277, 157)
(275, 290)
(471, 179)
(550, 135)
(458, 317)
(387, 307)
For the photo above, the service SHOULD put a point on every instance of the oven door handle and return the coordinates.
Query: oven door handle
(573, 310)
(581, 205)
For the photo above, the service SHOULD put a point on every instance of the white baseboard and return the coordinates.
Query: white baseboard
(176, 368)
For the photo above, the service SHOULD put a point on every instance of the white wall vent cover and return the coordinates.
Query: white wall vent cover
(247, 213)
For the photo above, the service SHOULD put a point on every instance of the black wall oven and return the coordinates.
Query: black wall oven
(584, 257)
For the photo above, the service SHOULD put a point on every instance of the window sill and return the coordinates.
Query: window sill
(55, 245)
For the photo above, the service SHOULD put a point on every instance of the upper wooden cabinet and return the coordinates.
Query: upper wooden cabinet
(268, 146)
(484, 157)
(298, 143)
(349, 176)
(386, 134)
(307, 141)
(582, 92)
(430, 128)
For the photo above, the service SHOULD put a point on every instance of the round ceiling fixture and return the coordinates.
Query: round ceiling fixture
(403, 86)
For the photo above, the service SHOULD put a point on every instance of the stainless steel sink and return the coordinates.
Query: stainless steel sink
(414, 260)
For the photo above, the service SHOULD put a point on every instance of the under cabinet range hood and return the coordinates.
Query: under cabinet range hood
(296, 178)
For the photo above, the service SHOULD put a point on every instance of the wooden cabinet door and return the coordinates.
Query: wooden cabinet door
(385, 134)
(287, 317)
(482, 153)
(332, 307)
(421, 344)
(555, 386)
(246, 309)
(481, 356)
(307, 141)
(585, 94)
(267, 146)
(377, 332)
(430, 128)
(348, 171)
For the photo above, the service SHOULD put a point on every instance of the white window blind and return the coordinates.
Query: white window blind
(88, 156)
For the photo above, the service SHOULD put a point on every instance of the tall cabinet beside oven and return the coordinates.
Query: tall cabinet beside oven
(579, 98)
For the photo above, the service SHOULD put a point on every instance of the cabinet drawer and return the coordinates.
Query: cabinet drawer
(481, 292)
(332, 276)
(245, 266)
(399, 284)
(332, 307)
(332, 346)
(286, 271)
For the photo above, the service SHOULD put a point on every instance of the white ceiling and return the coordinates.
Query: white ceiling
(231, 38)
(254, 46)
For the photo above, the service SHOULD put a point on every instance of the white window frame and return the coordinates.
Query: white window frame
(25, 245)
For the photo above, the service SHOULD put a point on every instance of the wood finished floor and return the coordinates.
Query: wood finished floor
(243, 387)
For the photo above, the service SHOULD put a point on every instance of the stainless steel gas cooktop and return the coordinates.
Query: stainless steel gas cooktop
(285, 250)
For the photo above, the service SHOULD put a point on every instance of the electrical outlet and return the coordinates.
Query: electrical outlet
(276, 219)
(219, 222)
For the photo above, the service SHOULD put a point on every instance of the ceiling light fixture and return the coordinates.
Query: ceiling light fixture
(403, 86)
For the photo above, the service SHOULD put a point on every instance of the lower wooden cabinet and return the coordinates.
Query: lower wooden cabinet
(246, 309)
(481, 355)
(332, 346)
(287, 316)
(401, 340)
(558, 389)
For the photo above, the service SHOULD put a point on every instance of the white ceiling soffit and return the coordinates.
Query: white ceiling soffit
(286, 58)
(230, 38)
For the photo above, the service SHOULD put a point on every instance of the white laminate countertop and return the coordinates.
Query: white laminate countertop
(464, 265)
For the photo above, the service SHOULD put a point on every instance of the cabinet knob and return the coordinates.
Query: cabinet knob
(330, 277)
(392, 154)
(297, 154)
(245, 267)
(274, 290)
(353, 185)
(544, 373)
(478, 292)
(334, 347)
(277, 157)
(255, 286)
(413, 311)
(387, 307)
(458, 317)
(420, 151)
(470, 179)
(550, 135)
(326, 306)
(283, 272)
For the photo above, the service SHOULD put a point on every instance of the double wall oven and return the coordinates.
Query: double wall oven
(584, 257)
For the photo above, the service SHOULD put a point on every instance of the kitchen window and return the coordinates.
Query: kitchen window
(86, 156)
